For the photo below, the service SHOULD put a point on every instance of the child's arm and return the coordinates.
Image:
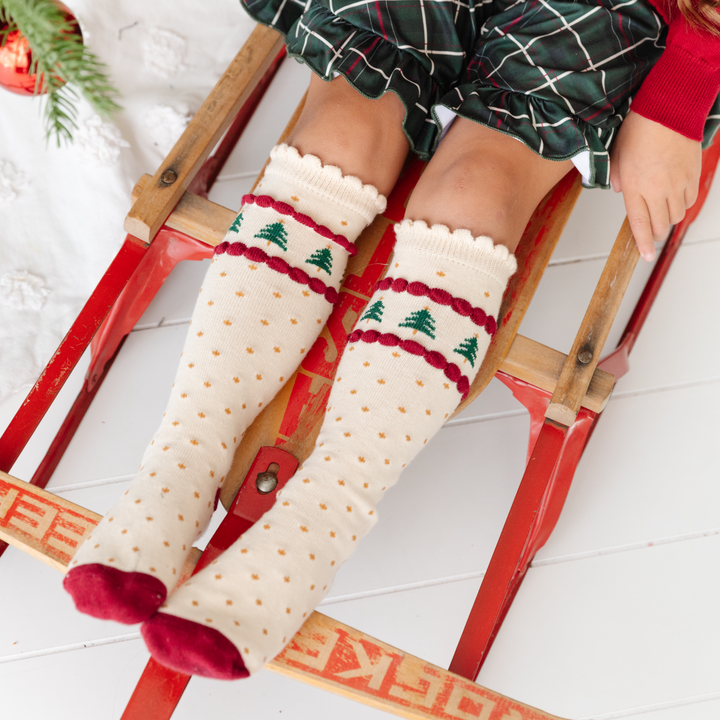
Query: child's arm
(658, 171)
(656, 157)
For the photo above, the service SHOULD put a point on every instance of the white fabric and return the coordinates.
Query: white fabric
(62, 209)
(249, 331)
(345, 205)
(383, 408)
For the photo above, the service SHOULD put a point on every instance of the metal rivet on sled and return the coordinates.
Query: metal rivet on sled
(169, 177)
(585, 356)
(266, 482)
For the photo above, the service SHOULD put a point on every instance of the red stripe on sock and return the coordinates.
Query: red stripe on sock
(285, 209)
(441, 297)
(258, 255)
(433, 358)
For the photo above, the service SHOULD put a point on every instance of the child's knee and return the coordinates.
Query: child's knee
(361, 136)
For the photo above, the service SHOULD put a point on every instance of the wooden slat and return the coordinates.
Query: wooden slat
(335, 657)
(540, 365)
(202, 219)
(203, 132)
(49, 527)
(594, 329)
(526, 359)
(324, 653)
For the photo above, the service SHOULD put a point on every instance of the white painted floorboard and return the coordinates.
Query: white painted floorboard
(617, 618)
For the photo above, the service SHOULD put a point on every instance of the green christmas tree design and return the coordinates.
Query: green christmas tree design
(237, 222)
(468, 349)
(322, 258)
(420, 320)
(274, 233)
(374, 312)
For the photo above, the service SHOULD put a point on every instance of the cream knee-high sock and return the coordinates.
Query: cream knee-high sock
(410, 361)
(268, 293)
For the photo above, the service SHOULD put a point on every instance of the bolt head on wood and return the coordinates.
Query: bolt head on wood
(169, 177)
(266, 482)
(585, 356)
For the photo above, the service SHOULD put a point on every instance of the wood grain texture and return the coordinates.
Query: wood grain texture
(193, 215)
(540, 365)
(49, 527)
(42, 524)
(594, 329)
(158, 199)
(338, 658)
(324, 653)
(526, 359)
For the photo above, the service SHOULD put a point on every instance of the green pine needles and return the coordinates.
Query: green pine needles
(63, 64)
(422, 321)
(323, 259)
(468, 348)
(237, 224)
(374, 312)
(274, 233)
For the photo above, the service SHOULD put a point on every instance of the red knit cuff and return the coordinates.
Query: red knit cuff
(679, 92)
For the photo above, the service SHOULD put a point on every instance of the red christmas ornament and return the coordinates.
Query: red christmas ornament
(16, 58)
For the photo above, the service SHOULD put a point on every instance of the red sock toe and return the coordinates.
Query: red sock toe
(192, 648)
(111, 594)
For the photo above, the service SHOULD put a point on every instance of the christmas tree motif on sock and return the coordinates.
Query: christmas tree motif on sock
(237, 222)
(374, 312)
(274, 233)
(323, 259)
(422, 321)
(468, 348)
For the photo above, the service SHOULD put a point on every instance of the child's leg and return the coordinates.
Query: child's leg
(266, 297)
(410, 361)
(484, 181)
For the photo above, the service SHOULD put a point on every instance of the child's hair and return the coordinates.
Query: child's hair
(702, 14)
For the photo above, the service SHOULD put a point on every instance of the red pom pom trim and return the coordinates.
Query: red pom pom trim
(279, 265)
(432, 357)
(442, 297)
(265, 201)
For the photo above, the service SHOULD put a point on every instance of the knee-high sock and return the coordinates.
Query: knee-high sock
(266, 296)
(410, 361)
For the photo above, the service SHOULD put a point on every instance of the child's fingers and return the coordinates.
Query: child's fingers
(676, 209)
(691, 194)
(640, 224)
(659, 217)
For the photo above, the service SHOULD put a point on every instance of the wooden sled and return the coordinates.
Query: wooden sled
(171, 219)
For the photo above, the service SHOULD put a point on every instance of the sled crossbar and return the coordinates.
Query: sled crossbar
(527, 359)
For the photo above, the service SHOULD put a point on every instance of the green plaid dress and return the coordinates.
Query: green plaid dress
(556, 74)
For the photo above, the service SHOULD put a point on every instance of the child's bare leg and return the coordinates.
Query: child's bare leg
(484, 181)
(363, 137)
(268, 293)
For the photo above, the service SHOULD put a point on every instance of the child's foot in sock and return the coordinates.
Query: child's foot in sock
(410, 361)
(268, 293)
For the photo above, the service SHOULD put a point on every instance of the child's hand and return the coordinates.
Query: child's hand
(658, 172)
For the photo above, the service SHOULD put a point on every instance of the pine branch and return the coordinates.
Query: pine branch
(60, 60)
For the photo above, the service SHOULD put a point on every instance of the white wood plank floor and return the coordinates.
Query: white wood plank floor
(618, 616)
